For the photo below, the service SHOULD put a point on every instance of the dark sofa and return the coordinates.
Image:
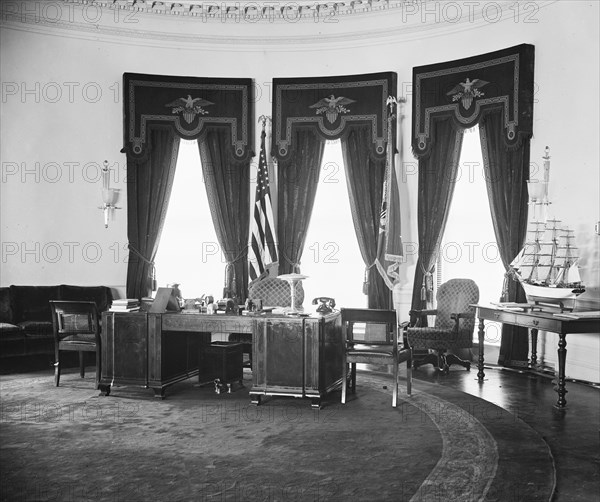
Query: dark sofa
(26, 319)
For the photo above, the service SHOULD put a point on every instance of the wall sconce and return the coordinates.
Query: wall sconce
(109, 195)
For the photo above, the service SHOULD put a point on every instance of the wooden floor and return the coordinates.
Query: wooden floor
(573, 435)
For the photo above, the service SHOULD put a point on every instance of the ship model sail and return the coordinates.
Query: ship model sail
(547, 265)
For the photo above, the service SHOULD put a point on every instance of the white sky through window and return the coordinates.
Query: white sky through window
(469, 248)
(331, 257)
(189, 252)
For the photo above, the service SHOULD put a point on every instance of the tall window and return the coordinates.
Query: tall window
(189, 253)
(469, 248)
(331, 256)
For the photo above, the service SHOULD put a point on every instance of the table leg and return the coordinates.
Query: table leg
(560, 381)
(104, 389)
(534, 338)
(480, 373)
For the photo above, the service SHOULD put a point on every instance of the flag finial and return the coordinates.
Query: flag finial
(263, 120)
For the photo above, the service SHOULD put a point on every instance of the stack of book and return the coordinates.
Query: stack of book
(125, 305)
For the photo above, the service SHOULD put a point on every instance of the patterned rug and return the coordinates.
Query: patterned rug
(68, 443)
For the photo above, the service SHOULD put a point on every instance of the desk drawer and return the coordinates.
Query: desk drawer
(501, 316)
(539, 323)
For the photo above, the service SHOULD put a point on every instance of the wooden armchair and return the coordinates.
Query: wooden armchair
(376, 343)
(76, 328)
(453, 328)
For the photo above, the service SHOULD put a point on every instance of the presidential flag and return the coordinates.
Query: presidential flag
(263, 250)
(389, 245)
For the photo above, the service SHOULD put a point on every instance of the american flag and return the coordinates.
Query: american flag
(263, 250)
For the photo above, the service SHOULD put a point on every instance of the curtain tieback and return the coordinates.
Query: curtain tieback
(295, 264)
(135, 251)
(507, 277)
(427, 287)
(365, 288)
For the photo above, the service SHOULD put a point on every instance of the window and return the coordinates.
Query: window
(331, 256)
(190, 255)
(189, 252)
(469, 247)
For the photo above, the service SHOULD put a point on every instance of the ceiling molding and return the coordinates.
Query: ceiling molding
(196, 25)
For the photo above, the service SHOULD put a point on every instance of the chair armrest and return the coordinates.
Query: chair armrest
(423, 312)
(463, 315)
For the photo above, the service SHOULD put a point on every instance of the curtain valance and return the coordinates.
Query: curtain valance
(327, 105)
(463, 89)
(188, 105)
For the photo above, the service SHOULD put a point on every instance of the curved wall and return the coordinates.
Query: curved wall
(62, 109)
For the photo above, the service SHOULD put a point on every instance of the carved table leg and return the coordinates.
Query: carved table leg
(534, 338)
(560, 381)
(480, 333)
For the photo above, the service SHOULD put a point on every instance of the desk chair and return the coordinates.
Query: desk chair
(76, 328)
(454, 325)
(273, 292)
(377, 344)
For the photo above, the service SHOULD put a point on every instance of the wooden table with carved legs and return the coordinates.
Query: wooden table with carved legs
(534, 321)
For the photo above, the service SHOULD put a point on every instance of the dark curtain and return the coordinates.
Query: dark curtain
(364, 177)
(437, 177)
(507, 172)
(297, 181)
(149, 185)
(228, 188)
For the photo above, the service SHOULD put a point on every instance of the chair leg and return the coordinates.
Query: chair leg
(81, 365)
(98, 367)
(409, 377)
(57, 371)
(344, 380)
(395, 393)
(454, 359)
(353, 373)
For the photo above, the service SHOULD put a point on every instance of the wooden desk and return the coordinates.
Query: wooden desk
(297, 356)
(157, 350)
(535, 321)
(293, 356)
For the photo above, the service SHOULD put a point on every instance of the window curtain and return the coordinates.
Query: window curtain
(297, 181)
(507, 170)
(228, 188)
(437, 176)
(364, 176)
(149, 184)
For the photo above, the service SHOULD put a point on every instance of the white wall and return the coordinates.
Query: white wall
(53, 144)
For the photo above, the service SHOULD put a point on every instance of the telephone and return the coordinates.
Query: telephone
(326, 304)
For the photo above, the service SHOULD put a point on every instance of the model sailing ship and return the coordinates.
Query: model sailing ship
(547, 266)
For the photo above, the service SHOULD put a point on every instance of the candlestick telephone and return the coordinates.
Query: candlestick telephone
(326, 304)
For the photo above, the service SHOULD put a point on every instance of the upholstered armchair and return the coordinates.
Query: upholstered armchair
(453, 328)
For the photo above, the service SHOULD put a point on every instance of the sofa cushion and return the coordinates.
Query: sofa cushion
(37, 328)
(7, 311)
(10, 331)
(32, 302)
(101, 295)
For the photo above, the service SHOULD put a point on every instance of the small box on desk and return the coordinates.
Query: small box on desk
(222, 361)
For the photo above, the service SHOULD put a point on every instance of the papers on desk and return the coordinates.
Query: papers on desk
(514, 307)
(591, 314)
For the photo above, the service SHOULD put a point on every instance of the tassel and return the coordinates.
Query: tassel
(365, 288)
(504, 296)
